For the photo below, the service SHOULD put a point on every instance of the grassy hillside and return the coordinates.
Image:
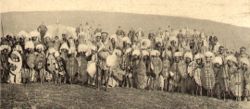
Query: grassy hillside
(229, 35)
(75, 97)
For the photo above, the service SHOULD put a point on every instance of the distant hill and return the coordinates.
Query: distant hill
(230, 35)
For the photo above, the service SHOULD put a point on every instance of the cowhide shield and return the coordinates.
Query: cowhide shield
(4, 62)
(61, 66)
(175, 76)
(221, 78)
(247, 80)
(71, 66)
(15, 67)
(197, 76)
(165, 68)
(83, 75)
(156, 66)
(91, 68)
(118, 73)
(236, 83)
(140, 77)
(31, 59)
(25, 74)
(208, 77)
(40, 61)
(182, 69)
(103, 55)
(51, 63)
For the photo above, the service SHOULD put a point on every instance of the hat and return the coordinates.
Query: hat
(82, 48)
(145, 53)
(40, 46)
(188, 55)
(126, 39)
(128, 50)
(34, 33)
(145, 43)
(29, 45)
(209, 54)
(198, 56)
(64, 46)
(242, 48)
(10, 34)
(155, 53)
(104, 33)
(231, 58)
(22, 34)
(136, 52)
(218, 60)
(245, 61)
(178, 54)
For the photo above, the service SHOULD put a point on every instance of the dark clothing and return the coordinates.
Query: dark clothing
(42, 29)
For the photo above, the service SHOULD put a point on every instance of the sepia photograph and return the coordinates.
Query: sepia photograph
(125, 54)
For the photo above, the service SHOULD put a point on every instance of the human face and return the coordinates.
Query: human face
(199, 61)
(177, 59)
(208, 58)
(217, 65)
(15, 58)
(188, 60)
(244, 66)
(113, 41)
(104, 37)
(39, 50)
(173, 43)
(242, 51)
(230, 63)
(221, 50)
(34, 38)
(98, 38)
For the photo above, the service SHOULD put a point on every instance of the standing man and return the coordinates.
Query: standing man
(42, 29)
(79, 29)
(119, 32)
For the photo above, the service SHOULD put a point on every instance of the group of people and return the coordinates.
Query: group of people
(174, 60)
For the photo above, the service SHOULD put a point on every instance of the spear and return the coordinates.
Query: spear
(2, 31)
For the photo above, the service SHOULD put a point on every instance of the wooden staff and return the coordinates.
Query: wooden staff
(2, 30)
(97, 72)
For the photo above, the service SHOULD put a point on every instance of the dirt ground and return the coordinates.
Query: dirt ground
(48, 96)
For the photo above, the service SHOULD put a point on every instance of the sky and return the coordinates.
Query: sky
(235, 12)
